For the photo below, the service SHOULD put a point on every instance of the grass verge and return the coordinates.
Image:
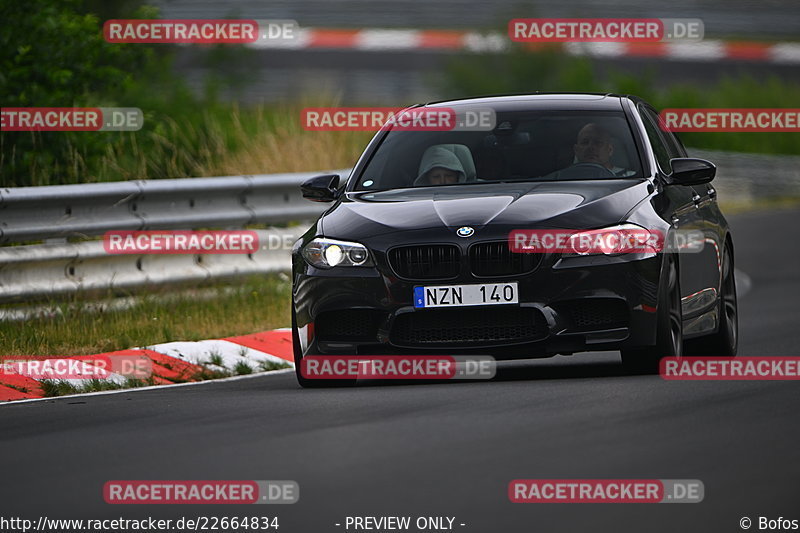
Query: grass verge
(78, 328)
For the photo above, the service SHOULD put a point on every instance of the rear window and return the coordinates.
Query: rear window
(535, 146)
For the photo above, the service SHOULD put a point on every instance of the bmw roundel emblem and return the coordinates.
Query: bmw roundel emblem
(465, 231)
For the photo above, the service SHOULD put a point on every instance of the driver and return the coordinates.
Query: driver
(594, 146)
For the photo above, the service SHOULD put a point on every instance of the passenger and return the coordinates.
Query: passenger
(440, 166)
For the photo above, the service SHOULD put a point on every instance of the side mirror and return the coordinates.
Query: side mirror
(689, 171)
(321, 188)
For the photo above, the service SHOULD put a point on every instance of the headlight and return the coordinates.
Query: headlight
(329, 253)
(614, 240)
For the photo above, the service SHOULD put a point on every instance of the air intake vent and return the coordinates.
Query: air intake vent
(593, 313)
(349, 325)
(500, 325)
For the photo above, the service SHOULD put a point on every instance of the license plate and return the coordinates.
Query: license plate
(466, 295)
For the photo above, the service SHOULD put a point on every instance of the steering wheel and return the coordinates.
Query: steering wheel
(586, 170)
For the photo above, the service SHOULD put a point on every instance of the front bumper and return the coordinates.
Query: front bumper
(566, 305)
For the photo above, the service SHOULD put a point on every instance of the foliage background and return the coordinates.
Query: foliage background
(52, 54)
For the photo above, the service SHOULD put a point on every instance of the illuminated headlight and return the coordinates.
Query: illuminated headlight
(329, 253)
(614, 240)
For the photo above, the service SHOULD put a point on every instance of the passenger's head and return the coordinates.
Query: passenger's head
(441, 176)
(439, 166)
(594, 145)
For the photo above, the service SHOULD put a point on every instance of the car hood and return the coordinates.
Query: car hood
(563, 204)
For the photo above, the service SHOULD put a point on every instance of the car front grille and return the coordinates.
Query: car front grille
(488, 259)
(593, 313)
(434, 261)
(468, 326)
(442, 261)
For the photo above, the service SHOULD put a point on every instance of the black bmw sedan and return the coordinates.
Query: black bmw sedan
(415, 255)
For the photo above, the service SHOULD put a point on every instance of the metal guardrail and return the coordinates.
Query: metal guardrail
(50, 270)
(31, 272)
(744, 177)
(34, 213)
(39, 271)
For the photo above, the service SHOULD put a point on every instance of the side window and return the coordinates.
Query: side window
(677, 143)
(674, 147)
(662, 152)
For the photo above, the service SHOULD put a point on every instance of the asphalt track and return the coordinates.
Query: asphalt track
(447, 449)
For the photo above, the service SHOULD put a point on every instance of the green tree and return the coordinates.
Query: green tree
(52, 54)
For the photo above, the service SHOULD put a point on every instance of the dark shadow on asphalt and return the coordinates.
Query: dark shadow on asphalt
(528, 370)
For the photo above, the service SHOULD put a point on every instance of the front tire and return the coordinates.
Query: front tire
(669, 326)
(725, 342)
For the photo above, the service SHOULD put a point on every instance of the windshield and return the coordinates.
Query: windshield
(523, 146)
